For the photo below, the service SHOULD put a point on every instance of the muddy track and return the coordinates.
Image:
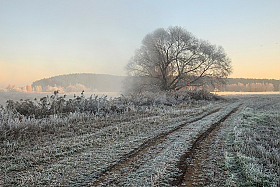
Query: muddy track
(132, 157)
(185, 177)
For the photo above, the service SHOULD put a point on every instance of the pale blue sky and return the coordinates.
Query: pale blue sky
(50, 37)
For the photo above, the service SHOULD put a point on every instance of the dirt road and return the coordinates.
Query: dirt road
(116, 174)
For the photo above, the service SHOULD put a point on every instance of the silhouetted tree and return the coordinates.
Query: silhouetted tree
(171, 59)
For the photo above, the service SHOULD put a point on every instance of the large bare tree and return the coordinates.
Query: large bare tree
(171, 59)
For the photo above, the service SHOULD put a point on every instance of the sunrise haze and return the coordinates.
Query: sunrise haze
(40, 39)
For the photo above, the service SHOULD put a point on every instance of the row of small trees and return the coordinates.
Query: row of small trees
(250, 87)
(27, 89)
(38, 89)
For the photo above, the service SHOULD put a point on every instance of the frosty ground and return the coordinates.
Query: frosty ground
(232, 141)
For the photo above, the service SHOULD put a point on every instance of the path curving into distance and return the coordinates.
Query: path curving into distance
(116, 173)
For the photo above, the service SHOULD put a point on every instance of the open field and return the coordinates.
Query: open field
(4, 96)
(246, 93)
(226, 142)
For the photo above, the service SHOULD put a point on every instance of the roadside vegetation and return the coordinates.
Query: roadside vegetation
(245, 150)
(253, 145)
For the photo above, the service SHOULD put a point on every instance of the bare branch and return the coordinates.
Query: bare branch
(173, 58)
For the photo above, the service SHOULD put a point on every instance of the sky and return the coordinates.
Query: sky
(40, 39)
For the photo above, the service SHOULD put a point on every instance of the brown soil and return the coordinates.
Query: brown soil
(194, 175)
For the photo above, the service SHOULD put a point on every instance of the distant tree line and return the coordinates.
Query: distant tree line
(109, 83)
(250, 87)
(26, 89)
(275, 83)
(82, 81)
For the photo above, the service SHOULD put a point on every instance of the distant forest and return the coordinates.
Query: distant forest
(251, 85)
(83, 81)
(110, 83)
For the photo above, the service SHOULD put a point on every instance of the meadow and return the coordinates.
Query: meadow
(16, 96)
(245, 93)
(150, 139)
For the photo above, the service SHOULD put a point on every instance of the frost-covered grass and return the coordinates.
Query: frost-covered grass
(256, 150)
(27, 119)
(245, 151)
(17, 96)
(71, 149)
(160, 169)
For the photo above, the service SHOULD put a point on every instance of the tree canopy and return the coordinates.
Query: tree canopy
(171, 59)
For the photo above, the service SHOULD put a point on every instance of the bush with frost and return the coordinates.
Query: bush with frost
(59, 105)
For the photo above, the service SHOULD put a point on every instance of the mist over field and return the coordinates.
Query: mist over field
(110, 83)
(113, 86)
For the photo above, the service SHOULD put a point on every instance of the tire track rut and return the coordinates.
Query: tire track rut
(185, 178)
